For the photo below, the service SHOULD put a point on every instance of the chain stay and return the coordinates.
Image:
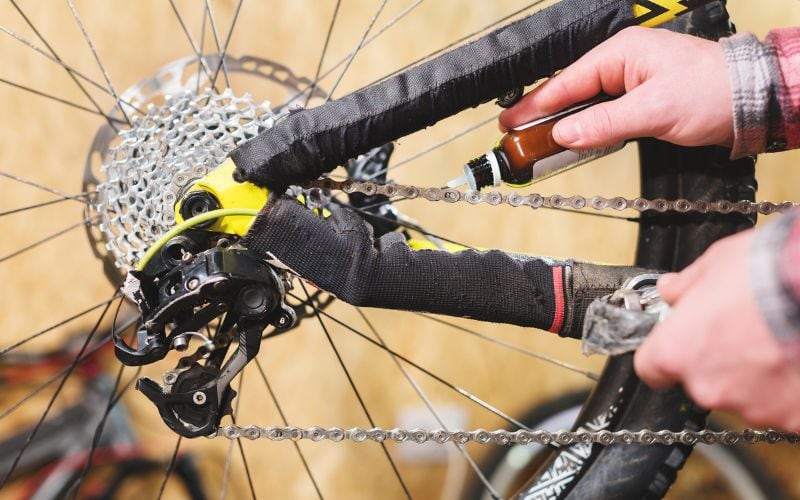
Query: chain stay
(522, 437)
(556, 201)
(504, 438)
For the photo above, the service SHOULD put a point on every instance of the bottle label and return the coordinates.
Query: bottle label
(566, 160)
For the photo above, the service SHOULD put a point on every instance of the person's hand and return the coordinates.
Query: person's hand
(675, 87)
(716, 343)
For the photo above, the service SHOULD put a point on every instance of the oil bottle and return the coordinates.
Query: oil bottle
(528, 153)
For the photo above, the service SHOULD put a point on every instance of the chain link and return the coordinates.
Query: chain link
(522, 437)
(557, 201)
(505, 438)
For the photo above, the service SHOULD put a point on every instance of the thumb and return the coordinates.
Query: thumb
(609, 123)
(672, 285)
(656, 361)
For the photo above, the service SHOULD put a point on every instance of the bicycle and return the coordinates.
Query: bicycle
(663, 258)
(58, 458)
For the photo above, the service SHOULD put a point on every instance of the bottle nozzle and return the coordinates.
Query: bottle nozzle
(459, 181)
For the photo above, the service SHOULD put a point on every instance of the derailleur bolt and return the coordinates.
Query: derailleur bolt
(220, 286)
(199, 398)
(254, 299)
(180, 343)
(192, 284)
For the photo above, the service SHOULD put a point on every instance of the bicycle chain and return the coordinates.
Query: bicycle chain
(556, 201)
(523, 437)
(506, 438)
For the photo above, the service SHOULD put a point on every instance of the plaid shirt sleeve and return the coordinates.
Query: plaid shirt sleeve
(765, 84)
(774, 262)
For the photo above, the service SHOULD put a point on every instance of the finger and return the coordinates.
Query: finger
(672, 286)
(633, 115)
(656, 363)
(600, 70)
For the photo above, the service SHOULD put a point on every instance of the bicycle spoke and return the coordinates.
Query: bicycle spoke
(401, 223)
(315, 81)
(172, 461)
(286, 424)
(50, 328)
(42, 187)
(42, 204)
(463, 39)
(542, 357)
(113, 399)
(350, 380)
(324, 52)
(97, 59)
(593, 213)
(436, 146)
(88, 354)
(226, 471)
(227, 41)
(221, 62)
(75, 490)
(200, 58)
(429, 405)
(356, 50)
(60, 100)
(66, 66)
(201, 61)
(463, 392)
(49, 406)
(229, 455)
(69, 73)
(47, 238)
(239, 441)
(46, 384)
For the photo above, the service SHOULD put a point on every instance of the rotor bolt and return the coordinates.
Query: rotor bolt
(192, 284)
(199, 398)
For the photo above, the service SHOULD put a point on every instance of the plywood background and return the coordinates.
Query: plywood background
(47, 142)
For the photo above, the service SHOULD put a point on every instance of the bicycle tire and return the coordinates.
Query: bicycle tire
(667, 242)
(738, 473)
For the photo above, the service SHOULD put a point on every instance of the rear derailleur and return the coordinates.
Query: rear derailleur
(203, 286)
(218, 296)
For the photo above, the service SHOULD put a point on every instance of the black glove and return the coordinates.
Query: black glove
(339, 255)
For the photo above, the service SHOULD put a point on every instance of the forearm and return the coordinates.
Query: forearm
(765, 87)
